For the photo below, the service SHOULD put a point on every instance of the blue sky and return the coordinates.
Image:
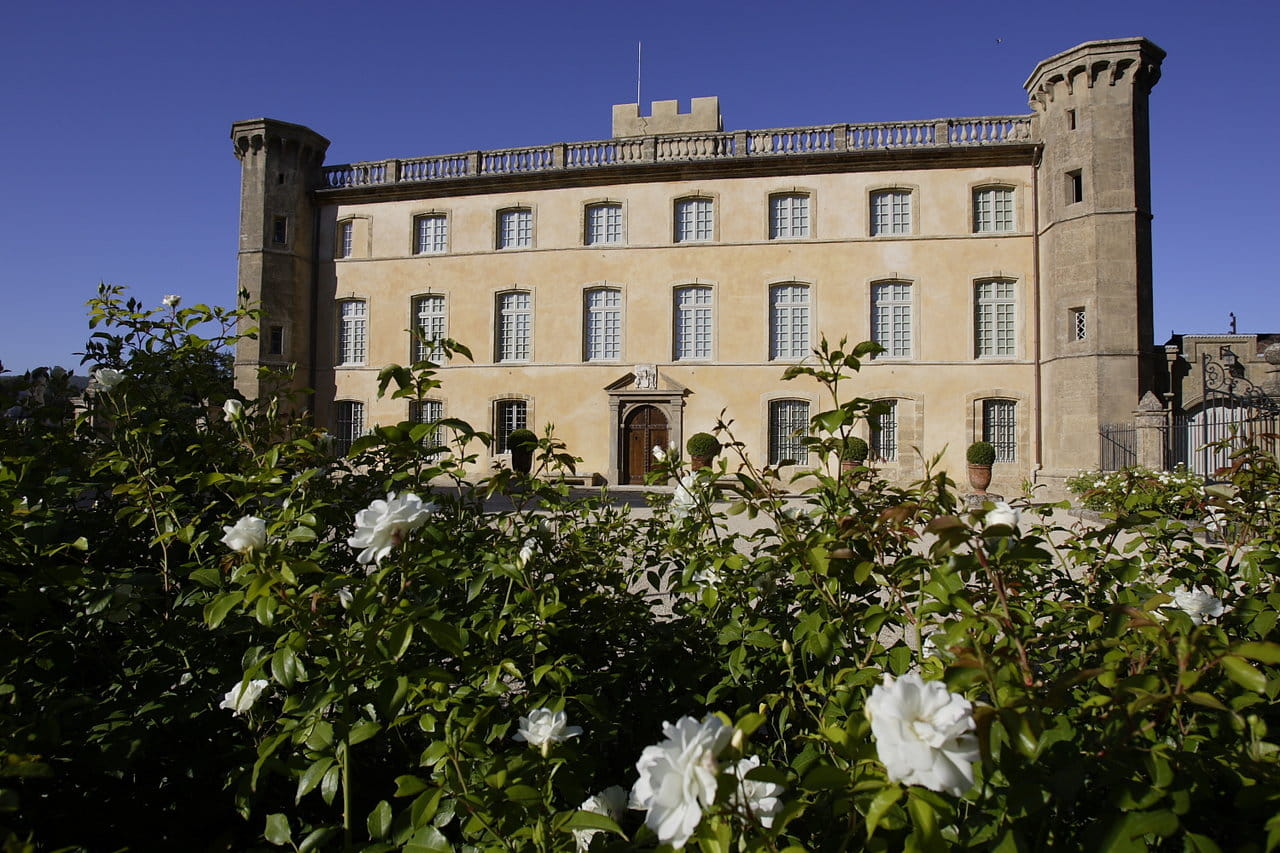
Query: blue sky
(119, 168)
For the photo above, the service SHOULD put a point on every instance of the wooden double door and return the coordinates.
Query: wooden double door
(645, 428)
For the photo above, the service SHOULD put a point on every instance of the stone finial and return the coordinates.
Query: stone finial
(1272, 354)
(1150, 403)
(665, 117)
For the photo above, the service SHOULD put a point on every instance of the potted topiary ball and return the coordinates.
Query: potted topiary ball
(981, 456)
(522, 443)
(854, 454)
(702, 447)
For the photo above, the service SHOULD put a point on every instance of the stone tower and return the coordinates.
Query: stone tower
(279, 167)
(1093, 212)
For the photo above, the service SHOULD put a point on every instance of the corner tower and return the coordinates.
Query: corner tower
(1093, 211)
(280, 164)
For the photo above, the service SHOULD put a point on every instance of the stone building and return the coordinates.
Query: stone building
(631, 289)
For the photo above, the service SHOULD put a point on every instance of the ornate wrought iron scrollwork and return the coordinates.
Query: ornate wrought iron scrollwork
(1224, 378)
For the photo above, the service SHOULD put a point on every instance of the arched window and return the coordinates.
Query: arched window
(788, 426)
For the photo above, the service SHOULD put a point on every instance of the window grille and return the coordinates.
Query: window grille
(515, 317)
(693, 327)
(508, 416)
(353, 332)
(348, 426)
(789, 321)
(884, 432)
(891, 317)
(995, 312)
(603, 332)
(999, 426)
(429, 318)
(788, 425)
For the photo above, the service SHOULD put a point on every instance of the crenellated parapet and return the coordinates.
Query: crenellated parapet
(1135, 61)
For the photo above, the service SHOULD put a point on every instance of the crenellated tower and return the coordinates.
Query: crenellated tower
(280, 165)
(1093, 210)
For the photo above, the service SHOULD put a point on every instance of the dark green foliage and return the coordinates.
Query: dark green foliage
(702, 444)
(981, 453)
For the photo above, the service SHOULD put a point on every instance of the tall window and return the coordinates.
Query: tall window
(891, 212)
(348, 425)
(429, 412)
(995, 312)
(602, 332)
(693, 323)
(429, 327)
(891, 317)
(515, 228)
(992, 209)
(695, 220)
(884, 432)
(604, 224)
(353, 331)
(346, 235)
(789, 320)
(515, 326)
(788, 216)
(431, 234)
(788, 425)
(508, 416)
(1000, 427)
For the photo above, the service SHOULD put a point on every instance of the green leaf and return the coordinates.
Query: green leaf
(329, 785)
(407, 786)
(278, 829)
(311, 778)
(523, 794)
(379, 820)
(399, 640)
(314, 839)
(1244, 674)
(428, 840)
(363, 731)
(1264, 652)
(591, 820)
(215, 611)
(880, 805)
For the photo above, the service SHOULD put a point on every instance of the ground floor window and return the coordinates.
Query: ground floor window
(348, 425)
(884, 432)
(788, 426)
(1000, 427)
(508, 416)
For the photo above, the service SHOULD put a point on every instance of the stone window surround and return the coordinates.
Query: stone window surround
(494, 402)
(1019, 214)
(337, 330)
(894, 278)
(584, 221)
(809, 193)
(766, 402)
(912, 190)
(715, 338)
(622, 332)
(413, 230)
(533, 227)
(714, 198)
(494, 298)
(413, 317)
(361, 236)
(768, 318)
(1022, 425)
(1019, 319)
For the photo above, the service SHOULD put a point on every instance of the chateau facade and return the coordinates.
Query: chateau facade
(628, 290)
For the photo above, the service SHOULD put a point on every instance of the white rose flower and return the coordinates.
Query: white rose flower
(1002, 515)
(659, 453)
(241, 697)
(923, 733)
(678, 777)
(1199, 604)
(527, 551)
(685, 499)
(345, 597)
(232, 409)
(760, 799)
(108, 377)
(544, 727)
(246, 534)
(385, 524)
(172, 300)
(611, 802)
(706, 578)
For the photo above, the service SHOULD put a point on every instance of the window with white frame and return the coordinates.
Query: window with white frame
(604, 224)
(602, 324)
(992, 209)
(788, 216)
(515, 228)
(695, 220)
(693, 323)
(431, 234)
(508, 416)
(429, 327)
(348, 425)
(353, 331)
(346, 238)
(788, 321)
(891, 212)
(891, 317)
(884, 432)
(515, 326)
(788, 426)
(1000, 427)
(429, 412)
(1079, 324)
(995, 317)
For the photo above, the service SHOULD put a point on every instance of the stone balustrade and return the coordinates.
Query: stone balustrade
(678, 147)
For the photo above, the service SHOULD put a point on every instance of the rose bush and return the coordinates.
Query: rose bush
(860, 665)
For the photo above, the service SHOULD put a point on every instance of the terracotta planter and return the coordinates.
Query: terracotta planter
(697, 463)
(979, 477)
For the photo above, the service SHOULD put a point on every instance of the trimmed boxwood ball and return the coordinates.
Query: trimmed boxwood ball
(855, 449)
(522, 439)
(981, 453)
(702, 444)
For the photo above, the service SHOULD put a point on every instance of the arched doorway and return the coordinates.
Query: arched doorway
(645, 428)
